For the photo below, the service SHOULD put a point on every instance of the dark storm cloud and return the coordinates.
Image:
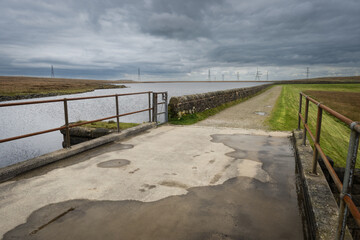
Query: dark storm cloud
(292, 32)
(170, 36)
(181, 20)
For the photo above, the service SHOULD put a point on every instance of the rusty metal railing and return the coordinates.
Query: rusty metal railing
(164, 97)
(151, 109)
(346, 202)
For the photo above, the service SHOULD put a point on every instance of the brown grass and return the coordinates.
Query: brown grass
(351, 79)
(346, 103)
(18, 85)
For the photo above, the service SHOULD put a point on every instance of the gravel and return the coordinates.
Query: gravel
(250, 114)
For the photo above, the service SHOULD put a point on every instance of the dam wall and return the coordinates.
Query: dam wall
(189, 104)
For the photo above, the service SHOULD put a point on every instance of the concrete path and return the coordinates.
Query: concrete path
(169, 183)
(250, 114)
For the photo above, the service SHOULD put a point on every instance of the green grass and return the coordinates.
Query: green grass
(334, 134)
(109, 125)
(196, 117)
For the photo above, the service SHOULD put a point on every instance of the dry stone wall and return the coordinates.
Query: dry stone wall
(189, 104)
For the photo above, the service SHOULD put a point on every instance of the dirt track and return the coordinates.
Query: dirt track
(249, 114)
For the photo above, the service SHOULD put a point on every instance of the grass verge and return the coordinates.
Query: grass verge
(109, 125)
(334, 134)
(196, 117)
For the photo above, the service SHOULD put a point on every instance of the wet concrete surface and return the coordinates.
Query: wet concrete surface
(227, 185)
(114, 163)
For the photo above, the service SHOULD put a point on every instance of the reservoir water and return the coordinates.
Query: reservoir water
(19, 120)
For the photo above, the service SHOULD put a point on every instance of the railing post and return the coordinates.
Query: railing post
(117, 113)
(67, 130)
(149, 98)
(154, 107)
(300, 106)
(348, 180)
(306, 119)
(166, 107)
(317, 138)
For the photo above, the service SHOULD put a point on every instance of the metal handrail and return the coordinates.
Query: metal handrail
(70, 99)
(346, 203)
(67, 125)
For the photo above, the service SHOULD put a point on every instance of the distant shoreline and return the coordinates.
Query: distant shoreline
(199, 81)
(40, 95)
(21, 87)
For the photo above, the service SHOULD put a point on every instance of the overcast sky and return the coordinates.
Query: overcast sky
(180, 39)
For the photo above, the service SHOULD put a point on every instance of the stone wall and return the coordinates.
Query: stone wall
(189, 104)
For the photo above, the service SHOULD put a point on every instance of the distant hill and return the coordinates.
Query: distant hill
(21, 87)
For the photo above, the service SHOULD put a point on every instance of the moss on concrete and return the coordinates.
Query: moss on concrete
(109, 125)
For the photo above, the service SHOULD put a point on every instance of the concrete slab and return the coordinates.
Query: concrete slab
(170, 183)
(11, 171)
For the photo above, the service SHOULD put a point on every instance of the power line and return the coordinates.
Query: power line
(52, 71)
(258, 74)
(307, 72)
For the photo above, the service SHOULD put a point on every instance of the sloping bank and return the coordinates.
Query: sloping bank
(189, 105)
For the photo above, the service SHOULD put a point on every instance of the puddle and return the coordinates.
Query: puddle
(203, 213)
(115, 163)
(261, 113)
(243, 207)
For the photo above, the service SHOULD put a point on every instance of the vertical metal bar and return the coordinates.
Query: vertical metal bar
(166, 107)
(306, 119)
(67, 130)
(117, 113)
(149, 98)
(348, 180)
(317, 138)
(300, 105)
(155, 96)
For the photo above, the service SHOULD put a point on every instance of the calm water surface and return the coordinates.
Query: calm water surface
(20, 120)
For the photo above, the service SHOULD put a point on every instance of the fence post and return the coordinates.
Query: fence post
(317, 138)
(166, 107)
(306, 119)
(67, 130)
(154, 107)
(117, 113)
(300, 106)
(348, 180)
(149, 98)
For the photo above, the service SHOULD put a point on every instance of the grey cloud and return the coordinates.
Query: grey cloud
(174, 26)
(165, 36)
(183, 20)
(291, 33)
(285, 55)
